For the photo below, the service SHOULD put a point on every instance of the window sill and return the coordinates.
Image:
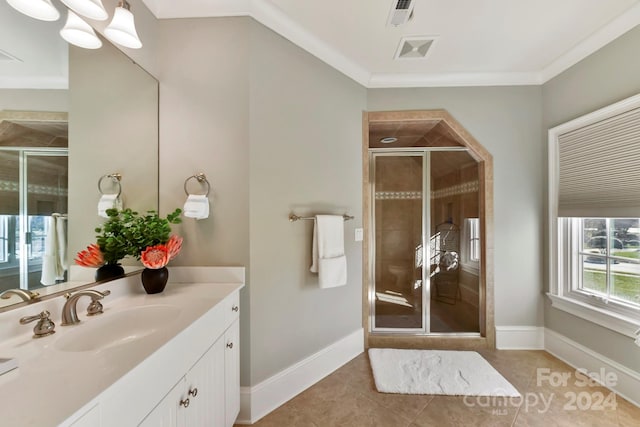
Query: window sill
(614, 321)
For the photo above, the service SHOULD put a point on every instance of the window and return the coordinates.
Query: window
(594, 216)
(474, 239)
(470, 248)
(4, 238)
(606, 258)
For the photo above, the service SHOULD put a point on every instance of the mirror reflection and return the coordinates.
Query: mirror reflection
(67, 117)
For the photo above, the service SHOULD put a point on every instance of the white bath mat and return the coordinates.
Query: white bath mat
(455, 373)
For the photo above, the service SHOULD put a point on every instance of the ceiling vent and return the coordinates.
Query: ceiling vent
(401, 11)
(415, 47)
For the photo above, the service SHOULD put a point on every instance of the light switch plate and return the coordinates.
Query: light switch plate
(359, 234)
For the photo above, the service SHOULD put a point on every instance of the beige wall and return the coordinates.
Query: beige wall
(204, 127)
(113, 127)
(275, 130)
(605, 77)
(305, 157)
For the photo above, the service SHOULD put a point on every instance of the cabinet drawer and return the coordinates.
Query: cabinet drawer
(232, 308)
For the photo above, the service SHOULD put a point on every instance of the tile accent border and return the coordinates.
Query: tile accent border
(259, 400)
(579, 356)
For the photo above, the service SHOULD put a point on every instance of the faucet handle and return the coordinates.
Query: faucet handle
(96, 307)
(44, 327)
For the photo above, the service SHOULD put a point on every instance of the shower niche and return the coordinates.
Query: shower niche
(427, 197)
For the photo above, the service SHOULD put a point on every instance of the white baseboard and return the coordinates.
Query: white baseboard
(520, 337)
(627, 382)
(261, 399)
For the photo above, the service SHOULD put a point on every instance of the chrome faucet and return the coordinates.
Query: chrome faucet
(70, 309)
(25, 295)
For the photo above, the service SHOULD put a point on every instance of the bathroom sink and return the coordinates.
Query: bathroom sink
(116, 328)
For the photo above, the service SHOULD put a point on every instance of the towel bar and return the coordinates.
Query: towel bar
(116, 178)
(201, 178)
(294, 217)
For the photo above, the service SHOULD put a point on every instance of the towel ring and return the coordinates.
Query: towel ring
(200, 177)
(115, 177)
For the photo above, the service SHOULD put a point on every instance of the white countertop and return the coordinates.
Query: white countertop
(50, 385)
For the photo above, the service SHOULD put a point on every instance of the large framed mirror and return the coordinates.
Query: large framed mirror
(68, 116)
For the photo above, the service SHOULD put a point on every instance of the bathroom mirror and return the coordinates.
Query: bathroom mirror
(112, 109)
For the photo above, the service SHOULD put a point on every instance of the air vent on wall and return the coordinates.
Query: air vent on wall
(415, 47)
(401, 11)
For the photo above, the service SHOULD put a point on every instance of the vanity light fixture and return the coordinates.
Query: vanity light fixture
(122, 29)
(92, 9)
(77, 32)
(37, 9)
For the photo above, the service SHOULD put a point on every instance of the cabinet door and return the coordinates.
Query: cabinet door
(168, 411)
(205, 389)
(90, 419)
(232, 373)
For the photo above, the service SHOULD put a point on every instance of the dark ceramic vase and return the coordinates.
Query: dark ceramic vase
(154, 279)
(109, 271)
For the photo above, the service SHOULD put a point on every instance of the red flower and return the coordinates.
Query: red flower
(173, 246)
(90, 257)
(155, 256)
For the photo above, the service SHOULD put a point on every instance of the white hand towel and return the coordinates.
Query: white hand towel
(328, 258)
(54, 259)
(196, 206)
(108, 201)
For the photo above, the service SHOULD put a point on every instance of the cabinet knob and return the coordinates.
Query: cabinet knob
(235, 308)
(230, 345)
(185, 403)
(193, 392)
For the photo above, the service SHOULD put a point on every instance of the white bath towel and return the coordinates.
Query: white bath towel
(54, 261)
(108, 201)
(196, 206)
(328, 258)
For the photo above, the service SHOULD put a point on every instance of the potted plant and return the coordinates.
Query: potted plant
(152, 243)
(145, 237)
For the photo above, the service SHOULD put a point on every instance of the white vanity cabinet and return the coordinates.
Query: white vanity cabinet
(209, 394)
(138, 360)
(193, 381)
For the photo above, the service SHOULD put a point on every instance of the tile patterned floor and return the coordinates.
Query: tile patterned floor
(348, 398)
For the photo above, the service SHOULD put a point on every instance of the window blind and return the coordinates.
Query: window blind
(599, 168)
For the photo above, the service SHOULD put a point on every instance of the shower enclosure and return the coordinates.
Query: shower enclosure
(33, 188)
(425, 246)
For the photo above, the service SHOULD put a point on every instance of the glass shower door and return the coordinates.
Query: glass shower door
(33, 196)
(9, 220)
(398, 293)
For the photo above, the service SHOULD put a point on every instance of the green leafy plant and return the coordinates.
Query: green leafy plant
(127, 232)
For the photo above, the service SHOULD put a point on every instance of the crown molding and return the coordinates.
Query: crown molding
(596, 41)
(275, 19)
(52, 82)
(197, 8)
(390, 80)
